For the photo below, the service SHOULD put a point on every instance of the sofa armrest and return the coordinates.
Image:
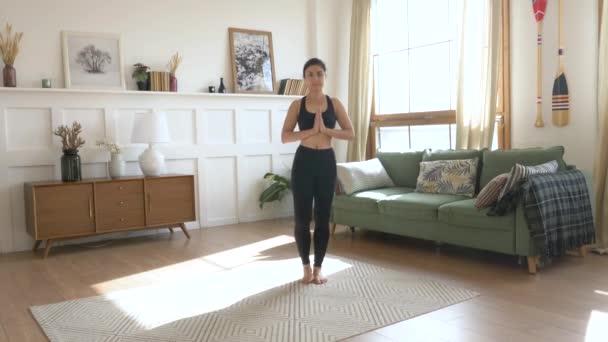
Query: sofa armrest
(523, 242)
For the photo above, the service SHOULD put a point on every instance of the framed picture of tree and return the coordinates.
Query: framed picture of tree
(92, 60)
(252, 61)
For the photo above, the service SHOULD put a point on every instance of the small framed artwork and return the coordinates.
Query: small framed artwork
(92, 60)
(252, 61)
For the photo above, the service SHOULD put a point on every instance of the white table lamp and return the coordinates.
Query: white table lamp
(151, 128)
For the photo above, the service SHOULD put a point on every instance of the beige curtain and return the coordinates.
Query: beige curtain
(601, 159)
(360, 80)
(479, 37)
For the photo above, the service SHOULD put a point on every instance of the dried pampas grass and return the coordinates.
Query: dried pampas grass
(9, 44)
(174, 63)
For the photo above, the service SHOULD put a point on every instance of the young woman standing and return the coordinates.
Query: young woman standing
(313, 175)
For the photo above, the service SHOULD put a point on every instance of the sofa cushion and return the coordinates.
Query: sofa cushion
(457, 154)
(455, 177)
(367, 201)
(520, 172)
(501, 161)
(416, 205)
(403, 168)
(488, 196)
(363, 175)
(464, 213)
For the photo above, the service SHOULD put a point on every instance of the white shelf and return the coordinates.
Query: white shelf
(139, 93)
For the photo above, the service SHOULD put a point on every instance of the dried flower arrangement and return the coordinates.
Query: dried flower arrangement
(113, 148)
(69, 137)
(9, 45)
(174, 63)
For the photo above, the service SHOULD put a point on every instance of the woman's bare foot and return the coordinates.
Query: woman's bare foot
(317, 277)
(308, 276)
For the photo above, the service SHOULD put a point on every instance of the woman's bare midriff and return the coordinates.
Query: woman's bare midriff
(317, 142)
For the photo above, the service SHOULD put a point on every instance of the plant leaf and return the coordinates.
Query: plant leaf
(272, 193)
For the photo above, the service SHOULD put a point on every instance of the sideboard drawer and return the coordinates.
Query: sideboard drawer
(120, 205)
(120, 220)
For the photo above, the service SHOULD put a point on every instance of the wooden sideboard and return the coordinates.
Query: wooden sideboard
(62, 210)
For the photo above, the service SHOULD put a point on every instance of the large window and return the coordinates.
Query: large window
(415, 56)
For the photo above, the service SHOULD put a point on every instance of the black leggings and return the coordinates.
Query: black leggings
(313, 176)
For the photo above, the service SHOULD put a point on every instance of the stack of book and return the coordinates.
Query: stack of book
(159, 80)
(291, 86)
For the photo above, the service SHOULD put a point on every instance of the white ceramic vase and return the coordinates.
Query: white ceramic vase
(117, 166)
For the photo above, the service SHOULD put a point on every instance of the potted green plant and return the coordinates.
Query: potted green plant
(141, 75)
(276, 190)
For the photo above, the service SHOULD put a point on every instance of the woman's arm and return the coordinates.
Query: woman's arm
(287, 134)
(346, 131)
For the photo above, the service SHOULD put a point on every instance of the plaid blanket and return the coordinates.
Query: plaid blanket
(557, 208)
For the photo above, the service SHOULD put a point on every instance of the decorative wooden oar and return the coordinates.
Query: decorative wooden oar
(561, 99)
(539, 7)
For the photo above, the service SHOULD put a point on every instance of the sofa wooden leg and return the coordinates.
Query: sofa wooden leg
(333, 228)
(582, 251)
(532, 264)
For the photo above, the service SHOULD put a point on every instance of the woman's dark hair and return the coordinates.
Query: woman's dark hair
(311, 62)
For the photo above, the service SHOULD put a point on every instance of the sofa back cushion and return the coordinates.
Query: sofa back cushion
(402, 167)
(454, 177)
(502, 161)
(363, 175)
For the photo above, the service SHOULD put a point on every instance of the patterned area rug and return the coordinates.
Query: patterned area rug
(359, 297)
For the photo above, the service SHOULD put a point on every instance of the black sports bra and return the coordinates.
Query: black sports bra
(306, 120)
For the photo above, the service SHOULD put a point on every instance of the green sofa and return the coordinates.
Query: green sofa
(444, 218)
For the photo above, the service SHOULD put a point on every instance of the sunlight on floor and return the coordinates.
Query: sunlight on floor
(601, 292)
(206, 284)
(597, 328)
(208, 264)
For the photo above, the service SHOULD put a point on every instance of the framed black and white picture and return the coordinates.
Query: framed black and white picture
(92, 60)
(252, 61)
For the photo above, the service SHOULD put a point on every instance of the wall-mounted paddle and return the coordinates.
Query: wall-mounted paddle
(561, 98)
(539, 7)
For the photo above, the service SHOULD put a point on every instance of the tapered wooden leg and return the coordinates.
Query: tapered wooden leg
(583, 251)
(47, 247)
(532, 264)
(183, 227)
(36, 245)
(171, 230)
(333, 229)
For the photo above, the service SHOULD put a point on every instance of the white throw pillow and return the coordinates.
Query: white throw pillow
(364, 175)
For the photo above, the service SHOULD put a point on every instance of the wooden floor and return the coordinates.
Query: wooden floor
(554, 305)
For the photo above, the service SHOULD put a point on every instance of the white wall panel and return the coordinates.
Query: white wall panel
(254, 126)
(28, 128)
(219, 126)
(182, 126)
(221, 198)
(251, 185)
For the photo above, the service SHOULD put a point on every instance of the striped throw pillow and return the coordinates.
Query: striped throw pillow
(364, 175)
(488, 196)
(520, 172)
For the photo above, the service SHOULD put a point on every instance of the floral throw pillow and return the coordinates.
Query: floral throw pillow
(455, 177)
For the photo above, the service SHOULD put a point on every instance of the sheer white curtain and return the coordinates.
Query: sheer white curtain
(601, 161)
(479, 36)
(360, 79)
